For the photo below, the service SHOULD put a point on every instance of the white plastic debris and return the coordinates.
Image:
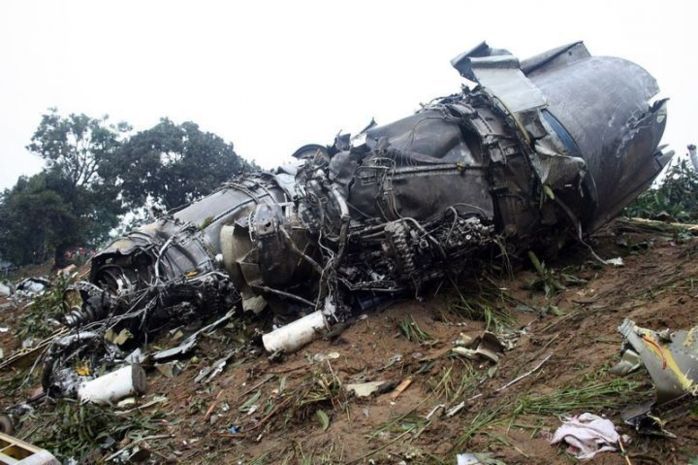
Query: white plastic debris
(587, 435)
(32, 287)
(364, 389)
(5, 290)
(322, 357)
(618, 262)
(470, 458)
(296, 334)
(114, 386)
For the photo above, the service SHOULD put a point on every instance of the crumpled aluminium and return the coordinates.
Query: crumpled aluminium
(587, 435)
(671, 360)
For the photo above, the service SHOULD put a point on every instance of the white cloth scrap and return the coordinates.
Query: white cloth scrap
(587, 435)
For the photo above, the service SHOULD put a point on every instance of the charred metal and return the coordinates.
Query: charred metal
(531, 152)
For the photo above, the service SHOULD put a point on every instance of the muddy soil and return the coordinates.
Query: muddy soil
(297, 410)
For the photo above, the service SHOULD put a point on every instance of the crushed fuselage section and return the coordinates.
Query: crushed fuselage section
(509, 164)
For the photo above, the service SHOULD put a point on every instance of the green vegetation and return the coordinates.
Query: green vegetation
(36, 320)
(675, 196)
(70, 429)
(96, 172)
(594, 393)
(594, 396)
(485, 302)
(411, 330)
(549, 280)
(172, 165)
(453, 382)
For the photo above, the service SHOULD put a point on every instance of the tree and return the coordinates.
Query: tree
(37, 219)
(67, 204)
(76, 145)
(94, 174)
(675, 196)
(171, 165)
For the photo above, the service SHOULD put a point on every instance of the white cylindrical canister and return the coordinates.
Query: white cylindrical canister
(296, 334)
(114, 386)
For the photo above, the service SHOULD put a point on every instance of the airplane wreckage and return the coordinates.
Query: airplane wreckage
(530, 152)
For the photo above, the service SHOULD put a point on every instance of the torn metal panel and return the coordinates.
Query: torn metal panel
(671, 358)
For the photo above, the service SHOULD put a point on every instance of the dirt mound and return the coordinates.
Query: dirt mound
(298, 410)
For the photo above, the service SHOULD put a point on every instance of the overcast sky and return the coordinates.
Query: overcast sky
(271, 76)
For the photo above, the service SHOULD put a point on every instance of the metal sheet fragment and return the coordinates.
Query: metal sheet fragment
(671, 359)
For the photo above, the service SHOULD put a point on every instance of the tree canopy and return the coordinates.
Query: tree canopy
(39, 219)
(76, 145)
(96, 172)
(171, 165)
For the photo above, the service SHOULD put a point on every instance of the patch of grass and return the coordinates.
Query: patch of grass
(406, 422)
(411, 330)
(454, 381)
(595, 396)
(482, 299)
(481, 308)
(484, 419)
(549, 280)
(320, 389)
(590, 393)
(332, 455)
(11, 381)
(676, 195)
(325, 386)
(260, 459)
(37, 320)
(75, 430)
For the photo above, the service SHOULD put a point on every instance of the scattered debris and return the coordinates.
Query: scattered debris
(14, 451)
(671, 359)
(233, 429)
(31, 287)
(629, 362)
(400, 388)
(68, 270)
(487, 346)
(319, 358)
(366, 389)
(191, 341)
(5, 290)
(114, 386)
(295, 335)
(354, 225)
(208, 373)
(587, 435)
(310, 248)
(618, 261)
(455, 409)
(481, 458)
(169, 369)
